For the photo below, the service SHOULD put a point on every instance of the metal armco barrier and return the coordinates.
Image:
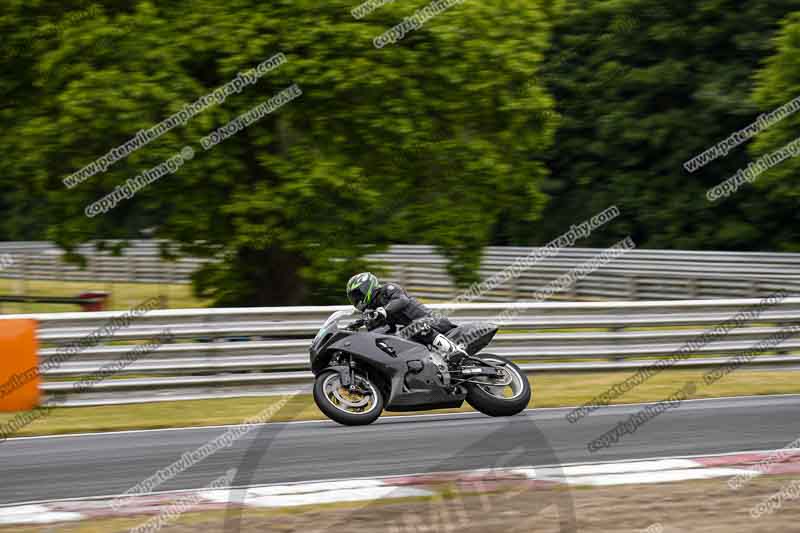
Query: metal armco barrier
(636, 275)
(139, 263)
(260, 351)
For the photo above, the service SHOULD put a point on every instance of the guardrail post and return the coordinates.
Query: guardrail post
(24, 280)
(173, 276)
(573, 289)
(401, 275)
(754, 289)
(691, 285)
(632, 288)
(61, 266)
(617, 329)
(514, 288)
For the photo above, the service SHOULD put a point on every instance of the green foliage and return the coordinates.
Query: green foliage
(290, 200)
(777, 83)
(642, 86)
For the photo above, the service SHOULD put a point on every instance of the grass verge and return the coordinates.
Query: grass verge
(123, 295)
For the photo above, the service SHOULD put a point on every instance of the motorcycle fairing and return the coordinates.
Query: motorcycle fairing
(411, 388)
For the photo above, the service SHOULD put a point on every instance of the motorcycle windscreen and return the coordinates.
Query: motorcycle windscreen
(473, 336)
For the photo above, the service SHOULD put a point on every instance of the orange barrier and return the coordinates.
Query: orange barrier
(19, 365)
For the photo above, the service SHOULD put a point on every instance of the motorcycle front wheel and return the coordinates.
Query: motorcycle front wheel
(347, 407)
(504, 396)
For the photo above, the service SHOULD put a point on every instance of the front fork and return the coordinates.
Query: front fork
(347, 371)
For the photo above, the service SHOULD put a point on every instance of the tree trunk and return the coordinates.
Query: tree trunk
(274, 276)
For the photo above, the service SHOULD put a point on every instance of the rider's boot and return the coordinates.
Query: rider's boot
(452, 352)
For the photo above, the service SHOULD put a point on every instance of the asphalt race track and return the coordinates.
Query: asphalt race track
(78, 466)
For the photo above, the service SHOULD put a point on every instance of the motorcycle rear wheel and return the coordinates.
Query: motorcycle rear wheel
(500, 400)
(344, 406)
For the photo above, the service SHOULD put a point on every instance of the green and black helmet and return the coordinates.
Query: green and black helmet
(361, 288)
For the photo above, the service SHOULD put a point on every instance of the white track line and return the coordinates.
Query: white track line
(37, 514)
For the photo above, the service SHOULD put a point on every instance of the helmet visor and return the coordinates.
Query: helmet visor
(356, 297)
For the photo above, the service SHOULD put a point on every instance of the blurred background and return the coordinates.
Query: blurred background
(497, 123)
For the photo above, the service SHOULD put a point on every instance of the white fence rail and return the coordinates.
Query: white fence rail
(259, 351)
(139, 263)
(636, 275)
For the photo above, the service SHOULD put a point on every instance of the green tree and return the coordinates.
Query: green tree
(290, 201)
(642, 86)
(778, 82)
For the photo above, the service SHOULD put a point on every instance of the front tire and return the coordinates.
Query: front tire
(346, 407)
(497, 400)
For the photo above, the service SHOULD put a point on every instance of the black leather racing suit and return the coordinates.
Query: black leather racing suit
(402, 310)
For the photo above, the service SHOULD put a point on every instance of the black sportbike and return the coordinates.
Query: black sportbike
(360, 373)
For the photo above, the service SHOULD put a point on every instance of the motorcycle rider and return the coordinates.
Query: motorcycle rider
(390, 304)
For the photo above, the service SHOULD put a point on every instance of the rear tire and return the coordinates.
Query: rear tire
(490, 403)
(341, 406)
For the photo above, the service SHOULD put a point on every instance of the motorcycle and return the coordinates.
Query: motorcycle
(360, 373)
